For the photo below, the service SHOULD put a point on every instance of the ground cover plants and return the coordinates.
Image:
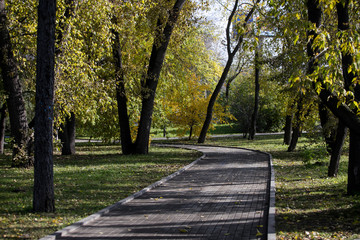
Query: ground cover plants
(309, 205)
(96, 177)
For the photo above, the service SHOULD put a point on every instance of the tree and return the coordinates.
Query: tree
(254, 116)
(43, 200)
(2, 127)
(231, 54)
(67, 135)
(16, 105)
(342, 111)
(67, 128)
(163, 33)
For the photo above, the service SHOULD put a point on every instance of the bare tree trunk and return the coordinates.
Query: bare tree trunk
(16, 105)
(336, 150)
(329, 133)
(157, 57)
(296, 126)
(2, 127)
(43, 200)
(67, 135)
(125, 133)
(287, 129)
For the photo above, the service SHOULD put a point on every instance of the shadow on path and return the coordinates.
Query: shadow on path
(224, 195)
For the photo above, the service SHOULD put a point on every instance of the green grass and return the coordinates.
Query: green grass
(96, 177)
(309, 205)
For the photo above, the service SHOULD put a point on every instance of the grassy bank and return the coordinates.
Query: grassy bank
(309, 205)
(96, 177)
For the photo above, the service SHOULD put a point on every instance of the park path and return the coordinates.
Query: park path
(224, 195)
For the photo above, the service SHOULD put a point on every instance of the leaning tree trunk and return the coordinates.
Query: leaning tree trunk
(2, 127)
(15, 103)
(231, 55)
(294, 138)
(43, 198)
(336, 150)
(125, 133)
(157, 57)
(67, 135)
(287, 129)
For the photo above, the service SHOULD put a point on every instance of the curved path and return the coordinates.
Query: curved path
(223, 195)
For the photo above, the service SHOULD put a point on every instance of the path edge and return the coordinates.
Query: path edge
(106, 210)
(271, 230)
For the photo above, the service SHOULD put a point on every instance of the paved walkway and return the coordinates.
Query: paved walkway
(224, 195)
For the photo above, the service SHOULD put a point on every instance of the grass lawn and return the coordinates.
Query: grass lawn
(309, 205)
(96, 177)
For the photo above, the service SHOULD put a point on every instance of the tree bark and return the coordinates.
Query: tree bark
(295, 138)
(329, 134)
(231, 55)
(254, 116)
(296, 126)
(15, 103)
(287, 129)
(43, 198)
(157, 57)
(2, 127)
(336, 149)
(347, 61)
(125, 133)
(67, 135)
(212, 100)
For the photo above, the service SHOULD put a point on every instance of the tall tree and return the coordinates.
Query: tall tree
(231, 54)
(2, 127)
(43, 200)
(330, 99)
(68, 127)
(163, 33)
(348, 75)
(254, 116)
(16, 105)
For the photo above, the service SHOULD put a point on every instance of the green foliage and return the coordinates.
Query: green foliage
(271, 110)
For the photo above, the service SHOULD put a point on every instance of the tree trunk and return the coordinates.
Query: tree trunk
(329, 134)
(212, 100)
(231, 55)
(191, 131)
(67, 135)
(157, 57)
(287, 129)
(2, 127)
(125, 133)
(294, 139)
(354, 164)
(347, 61)
(296, 126)
(336, 150)
(15, 103)
(43, 200)
(254, 116)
